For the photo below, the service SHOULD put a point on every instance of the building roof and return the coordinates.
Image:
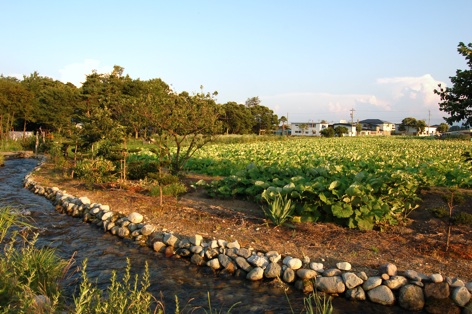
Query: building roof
(375, 121)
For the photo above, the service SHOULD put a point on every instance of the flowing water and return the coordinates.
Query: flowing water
(169, 277)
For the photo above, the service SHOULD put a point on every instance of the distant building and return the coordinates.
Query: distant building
(377, 127)
(307, 128)
(351, 128)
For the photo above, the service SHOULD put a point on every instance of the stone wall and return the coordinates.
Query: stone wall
(409, 289)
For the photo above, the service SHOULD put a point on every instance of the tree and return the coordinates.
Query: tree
(264, 119)
(237, 119)
(340, 130)
(442, 128)
(358, 127)
(183, 124)
(457, 100)
(253, 101)
(328, 132)
(283, 119)
(15, 104)
(420, 126)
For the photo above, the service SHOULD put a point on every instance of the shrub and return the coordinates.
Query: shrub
(139, 169)
(95, 171)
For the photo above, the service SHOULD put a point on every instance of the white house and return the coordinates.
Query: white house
(307, 128)
(377, 127)
(351, 128)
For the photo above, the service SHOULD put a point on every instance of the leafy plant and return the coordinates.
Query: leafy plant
(280, 208)
(98, 170)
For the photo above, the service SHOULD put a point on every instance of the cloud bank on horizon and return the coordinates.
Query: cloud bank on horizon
(390, 99)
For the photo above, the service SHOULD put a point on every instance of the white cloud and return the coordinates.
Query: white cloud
(389, 99)
(76, 72)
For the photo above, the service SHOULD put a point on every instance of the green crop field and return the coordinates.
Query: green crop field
(358, 182)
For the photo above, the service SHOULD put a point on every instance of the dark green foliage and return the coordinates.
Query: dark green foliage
(328, 132)
(140, 169)
(462, 219)
(457, 100)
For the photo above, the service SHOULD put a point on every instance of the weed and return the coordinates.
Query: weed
(280, 208)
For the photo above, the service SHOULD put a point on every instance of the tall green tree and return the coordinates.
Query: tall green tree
(341, 130)
(252, 102)
(15, 104)
(457, 100)
(264, 120)
(237, 118)
(443, 127)
(183, 124)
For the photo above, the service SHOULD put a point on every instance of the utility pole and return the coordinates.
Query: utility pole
(352, 116)
(429, 121)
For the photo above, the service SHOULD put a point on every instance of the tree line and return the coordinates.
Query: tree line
(113, 105)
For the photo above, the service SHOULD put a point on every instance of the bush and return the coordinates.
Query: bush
(139, 169)
(95, 171)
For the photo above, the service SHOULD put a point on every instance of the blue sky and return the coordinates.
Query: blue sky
(310, 60)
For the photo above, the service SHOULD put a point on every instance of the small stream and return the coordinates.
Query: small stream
(169, 277)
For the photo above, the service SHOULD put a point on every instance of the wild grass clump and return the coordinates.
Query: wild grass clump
(29, 277)
(122, 296)
(280, 208)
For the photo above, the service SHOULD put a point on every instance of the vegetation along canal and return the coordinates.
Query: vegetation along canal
(169, 277)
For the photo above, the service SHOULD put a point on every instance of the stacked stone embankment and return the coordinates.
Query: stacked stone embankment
(409, 289)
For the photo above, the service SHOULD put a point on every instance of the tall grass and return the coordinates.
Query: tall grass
(29, 277)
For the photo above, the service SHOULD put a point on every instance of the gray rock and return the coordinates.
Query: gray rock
(158, 246)
(396, 282)
(243, 264)
(224, 260)
(288, 275)
(411, 298)
(107, 215)
(257, 273)
(243, 252)
(412, 275)
(214, 263)
(454, 282)
(382, 295)
(147, 230)
(351, 280)
(439, 290)
(389, 269)
(294, 263)
(196, 239)
(356, 294)
(233, 245)
(273, 270)
(170, 239)
(436, 278)
(258, 261)
(196, 249)
(304, 273)
(469, 286)
(332, 272)
(273, 256)
(211, 253)
(222, 243)
(362, 275)
(461, 296)
(344, 266)
(331, 285)
(318, 267)
(84, 200)
(135, 217)
(123, 232)
(372, 283)
(197, 260)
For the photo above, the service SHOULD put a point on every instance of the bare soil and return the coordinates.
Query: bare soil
(419, 243)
